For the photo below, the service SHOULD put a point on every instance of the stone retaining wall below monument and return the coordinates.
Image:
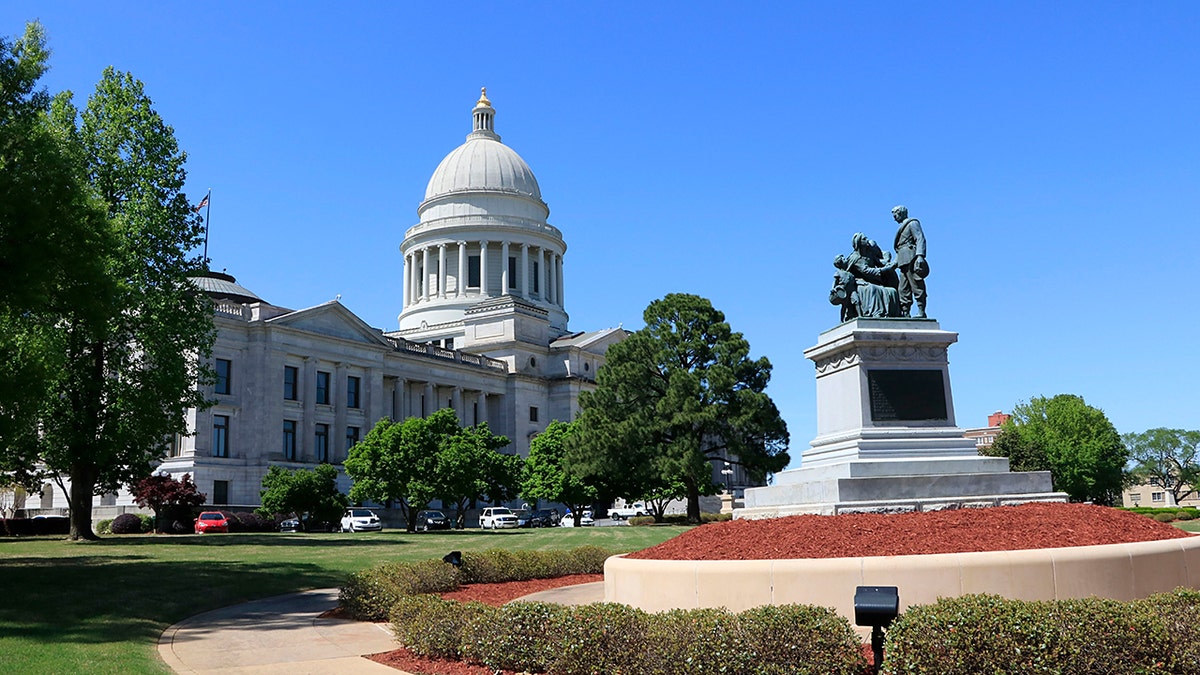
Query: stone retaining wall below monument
(1117, 571)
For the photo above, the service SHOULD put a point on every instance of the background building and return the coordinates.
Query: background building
(483, 330)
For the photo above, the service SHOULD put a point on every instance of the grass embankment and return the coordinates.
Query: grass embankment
(99, 607)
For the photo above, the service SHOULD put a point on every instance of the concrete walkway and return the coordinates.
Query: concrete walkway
(286, 634)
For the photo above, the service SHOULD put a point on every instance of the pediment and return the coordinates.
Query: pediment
(334, 320)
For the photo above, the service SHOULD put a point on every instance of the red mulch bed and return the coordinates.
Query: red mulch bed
(1007, 528)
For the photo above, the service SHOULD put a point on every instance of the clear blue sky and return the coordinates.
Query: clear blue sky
(730, 150)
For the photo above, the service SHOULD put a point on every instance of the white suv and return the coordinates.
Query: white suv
(497, 517)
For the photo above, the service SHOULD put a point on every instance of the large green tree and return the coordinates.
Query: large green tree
(50, 225)
(545, 475)
(397, 462)
(312, 491)
(673, 398)
(135, 348)
(1168, 458)
(421, 459)
(470, 468)
(1075, 442)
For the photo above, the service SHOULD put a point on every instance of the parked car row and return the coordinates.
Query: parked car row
(365, 520)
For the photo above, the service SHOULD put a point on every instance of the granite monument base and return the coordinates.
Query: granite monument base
(887, 440)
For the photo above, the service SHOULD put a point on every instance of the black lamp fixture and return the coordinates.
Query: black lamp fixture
(454, 558)
(876, 606)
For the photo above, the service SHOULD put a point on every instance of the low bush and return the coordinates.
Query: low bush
(127, 523)
(681, 518)
(147, 522)
(370, 594)
(245, 521)
(987, 633)
(104, 526)
(1192, 511)
(602, 637)
(1185, 515)
(1165, 517)
(430, 626)
(637, 521)
(498, 565)
(517, 636)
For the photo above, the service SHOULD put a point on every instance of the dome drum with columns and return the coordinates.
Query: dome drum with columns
(482, 234)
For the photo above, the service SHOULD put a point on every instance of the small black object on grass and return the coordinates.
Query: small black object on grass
(454, 558)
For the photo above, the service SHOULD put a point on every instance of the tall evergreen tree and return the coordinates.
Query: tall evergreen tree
(672, 399)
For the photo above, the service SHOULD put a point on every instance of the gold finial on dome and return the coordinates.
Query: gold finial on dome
(483, 99)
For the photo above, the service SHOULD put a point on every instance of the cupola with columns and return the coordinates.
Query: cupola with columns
(482, 234)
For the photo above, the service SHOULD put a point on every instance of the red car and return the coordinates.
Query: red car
(212, 521)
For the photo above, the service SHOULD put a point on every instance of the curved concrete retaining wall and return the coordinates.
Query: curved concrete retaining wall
(1117, 571)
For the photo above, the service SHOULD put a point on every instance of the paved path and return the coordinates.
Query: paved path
(286, 634)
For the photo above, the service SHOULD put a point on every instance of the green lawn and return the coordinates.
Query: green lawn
(1188, 525)
(99, 607)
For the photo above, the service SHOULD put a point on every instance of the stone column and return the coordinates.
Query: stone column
(441, 271)
(483, 411)
(483, 269)
(430, 404)
(457, 404)
(404, 284)
(551, 267)
(559, 271)
(308, 426)
(461, 287)
(425, 273)
(337, 434)
(525, 271)
(504, 268)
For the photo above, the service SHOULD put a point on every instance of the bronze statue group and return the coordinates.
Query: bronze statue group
(872, 283)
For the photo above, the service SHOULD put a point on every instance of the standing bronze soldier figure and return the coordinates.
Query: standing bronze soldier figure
(910, 258)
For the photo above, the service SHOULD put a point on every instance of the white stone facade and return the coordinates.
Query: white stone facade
(483, 331)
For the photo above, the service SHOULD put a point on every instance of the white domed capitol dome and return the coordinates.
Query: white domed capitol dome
(482, 235)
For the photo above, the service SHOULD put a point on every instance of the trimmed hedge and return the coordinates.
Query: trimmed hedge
(613, 638)
(680, 519)
(1176, 512)
(990, 634)
(591, 639)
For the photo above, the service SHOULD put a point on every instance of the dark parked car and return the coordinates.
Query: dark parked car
(544, 518)
(432, 520)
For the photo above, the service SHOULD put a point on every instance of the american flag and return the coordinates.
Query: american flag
(203, 203)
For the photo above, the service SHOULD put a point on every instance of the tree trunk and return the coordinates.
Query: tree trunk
(693, 502)
(80, 500)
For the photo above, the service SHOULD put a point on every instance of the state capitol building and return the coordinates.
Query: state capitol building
(483, 330)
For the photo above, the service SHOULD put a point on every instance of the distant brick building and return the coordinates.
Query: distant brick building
(985, 436)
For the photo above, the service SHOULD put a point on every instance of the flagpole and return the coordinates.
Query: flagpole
(207, 208)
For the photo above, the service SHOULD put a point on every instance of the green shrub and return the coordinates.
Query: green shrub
(498, 565)
(698, 640)
(1165, 517)
(800, 640)
(1185, 515)
(637, 521)
(516, 637)
(1179, 614)
(147, 522)
(104, 526)
(369, 595)
(127, 523)
(601, 638)
(989, 634)
(430, 626)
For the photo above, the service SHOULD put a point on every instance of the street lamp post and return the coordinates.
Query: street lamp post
(727, 472)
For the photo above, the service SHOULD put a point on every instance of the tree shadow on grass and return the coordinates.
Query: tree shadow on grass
(101, 599)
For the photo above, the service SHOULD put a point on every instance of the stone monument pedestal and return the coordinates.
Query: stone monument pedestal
(887, 440)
